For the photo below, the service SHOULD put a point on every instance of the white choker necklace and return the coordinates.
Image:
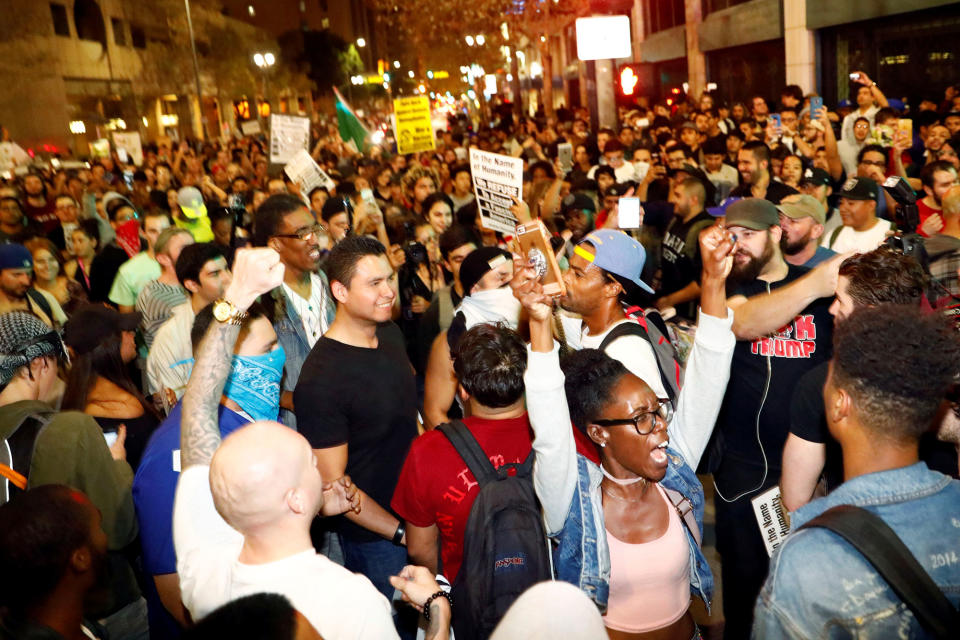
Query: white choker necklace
(620, 481)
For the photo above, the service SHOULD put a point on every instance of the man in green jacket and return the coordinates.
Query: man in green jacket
(47, 446)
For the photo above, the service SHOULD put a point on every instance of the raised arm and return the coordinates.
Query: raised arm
(555, 462)
(762, 314)
(830, 145)
(255, 272)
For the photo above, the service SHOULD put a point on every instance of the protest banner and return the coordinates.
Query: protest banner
(129, 142)
(308, 175)
(288, 135)
(250, 127)
(497, 180)
(414, 129)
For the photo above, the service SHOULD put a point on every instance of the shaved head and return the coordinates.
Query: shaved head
(263, 476)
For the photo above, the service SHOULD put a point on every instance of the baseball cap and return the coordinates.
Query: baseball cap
(802, 206)
(616, 189)
(859, 189)
(15, 256)
(577, 202)
(191, 202)
(814, 176)
(688, 125)
(616, 252)
(23, 338)
(478, 262)
(844, 103)
(753, 213)
(721, 210)
(91, 324)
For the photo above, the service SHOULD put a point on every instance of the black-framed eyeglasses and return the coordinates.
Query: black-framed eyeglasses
(644, 422)
(304, 233)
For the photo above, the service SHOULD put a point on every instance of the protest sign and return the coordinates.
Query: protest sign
(288, 135)
(250, 127)
(414, 129)
(308, 175)
(129, 142)
(496, 180)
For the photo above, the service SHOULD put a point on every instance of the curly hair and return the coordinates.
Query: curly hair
(884, 276)
(897, 363)
(591, 376)
(415, 173)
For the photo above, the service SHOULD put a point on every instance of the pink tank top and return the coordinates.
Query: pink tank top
(649, 582)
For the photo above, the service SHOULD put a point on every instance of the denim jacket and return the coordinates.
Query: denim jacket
(293, 338)
(568, 484)
(821, 587)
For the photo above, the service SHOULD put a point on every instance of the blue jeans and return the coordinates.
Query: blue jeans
(129, 623)
(378, 560)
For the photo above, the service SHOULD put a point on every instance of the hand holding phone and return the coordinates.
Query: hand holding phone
(816, 103)
(537, 253)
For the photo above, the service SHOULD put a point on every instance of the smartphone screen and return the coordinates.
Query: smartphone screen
(110, 437)
(816, 103)
(565, 155)
(776, 120)
(854, 76)
(629, 213)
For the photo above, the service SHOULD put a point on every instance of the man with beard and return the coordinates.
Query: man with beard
(53, 554)
(802, 218)
(937, 178)
(753, 162)
(783, 331)
(16, 292)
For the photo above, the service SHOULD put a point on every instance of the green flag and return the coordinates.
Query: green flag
(351, 129)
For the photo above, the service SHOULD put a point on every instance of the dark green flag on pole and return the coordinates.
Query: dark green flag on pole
(351, 129)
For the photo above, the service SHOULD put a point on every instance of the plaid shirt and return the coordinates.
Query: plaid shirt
(944, 271)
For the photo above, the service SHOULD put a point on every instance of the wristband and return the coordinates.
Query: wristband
(398, 534)
(438, 594)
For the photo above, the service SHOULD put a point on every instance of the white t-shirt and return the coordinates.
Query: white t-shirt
(859, 241)
(634, 352)
(339, 604)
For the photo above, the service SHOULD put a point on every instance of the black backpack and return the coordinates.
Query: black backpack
(504, 545)
(16, 454)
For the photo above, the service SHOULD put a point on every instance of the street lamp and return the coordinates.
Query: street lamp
(396, 64)
(469, 40)
(361, 43)
(480, 39)
(264, 61)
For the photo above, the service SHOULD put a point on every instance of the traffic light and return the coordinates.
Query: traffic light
(629, 79)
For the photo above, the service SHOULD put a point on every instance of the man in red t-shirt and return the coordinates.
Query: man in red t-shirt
(436, 490)
(937, 178)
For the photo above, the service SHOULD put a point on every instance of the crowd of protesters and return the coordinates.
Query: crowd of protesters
(229, 406)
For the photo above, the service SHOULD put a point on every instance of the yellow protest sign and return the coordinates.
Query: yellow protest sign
(413, 129)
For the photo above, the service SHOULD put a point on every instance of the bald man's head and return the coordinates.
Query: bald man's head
(265, 475)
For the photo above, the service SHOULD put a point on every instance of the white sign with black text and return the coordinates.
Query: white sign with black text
(288, 135)
(771, 518)
(497, 180)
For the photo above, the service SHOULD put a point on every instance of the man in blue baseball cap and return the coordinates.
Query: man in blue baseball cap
(16, 291)
(604, 288)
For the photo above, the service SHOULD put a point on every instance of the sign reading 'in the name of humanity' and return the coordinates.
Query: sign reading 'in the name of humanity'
(497, 180)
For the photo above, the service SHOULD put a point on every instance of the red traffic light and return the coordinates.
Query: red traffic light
(628, 80)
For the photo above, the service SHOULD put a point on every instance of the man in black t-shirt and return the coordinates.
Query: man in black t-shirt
(869, 279)
(783, 329)
(753, 163)
(680, 250)
(356, 403)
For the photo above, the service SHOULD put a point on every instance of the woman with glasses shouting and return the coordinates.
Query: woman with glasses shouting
(627, 525)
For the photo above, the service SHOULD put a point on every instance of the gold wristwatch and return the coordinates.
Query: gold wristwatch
(226, 311)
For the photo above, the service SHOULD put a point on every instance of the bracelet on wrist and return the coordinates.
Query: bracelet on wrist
(398, 534)
(429, 601)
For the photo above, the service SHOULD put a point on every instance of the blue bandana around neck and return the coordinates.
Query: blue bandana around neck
(254, 383)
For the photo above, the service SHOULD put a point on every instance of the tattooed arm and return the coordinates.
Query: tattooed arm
(256, 271)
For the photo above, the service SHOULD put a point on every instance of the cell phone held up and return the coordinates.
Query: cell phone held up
(536, 250)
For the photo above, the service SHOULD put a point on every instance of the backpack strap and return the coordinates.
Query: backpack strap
(883, 549)
(20, 455)
(834, 235)
(38, 300)
(692, 242)
(657, 339)
(685, 510)
(469, 449)
(445, 307)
